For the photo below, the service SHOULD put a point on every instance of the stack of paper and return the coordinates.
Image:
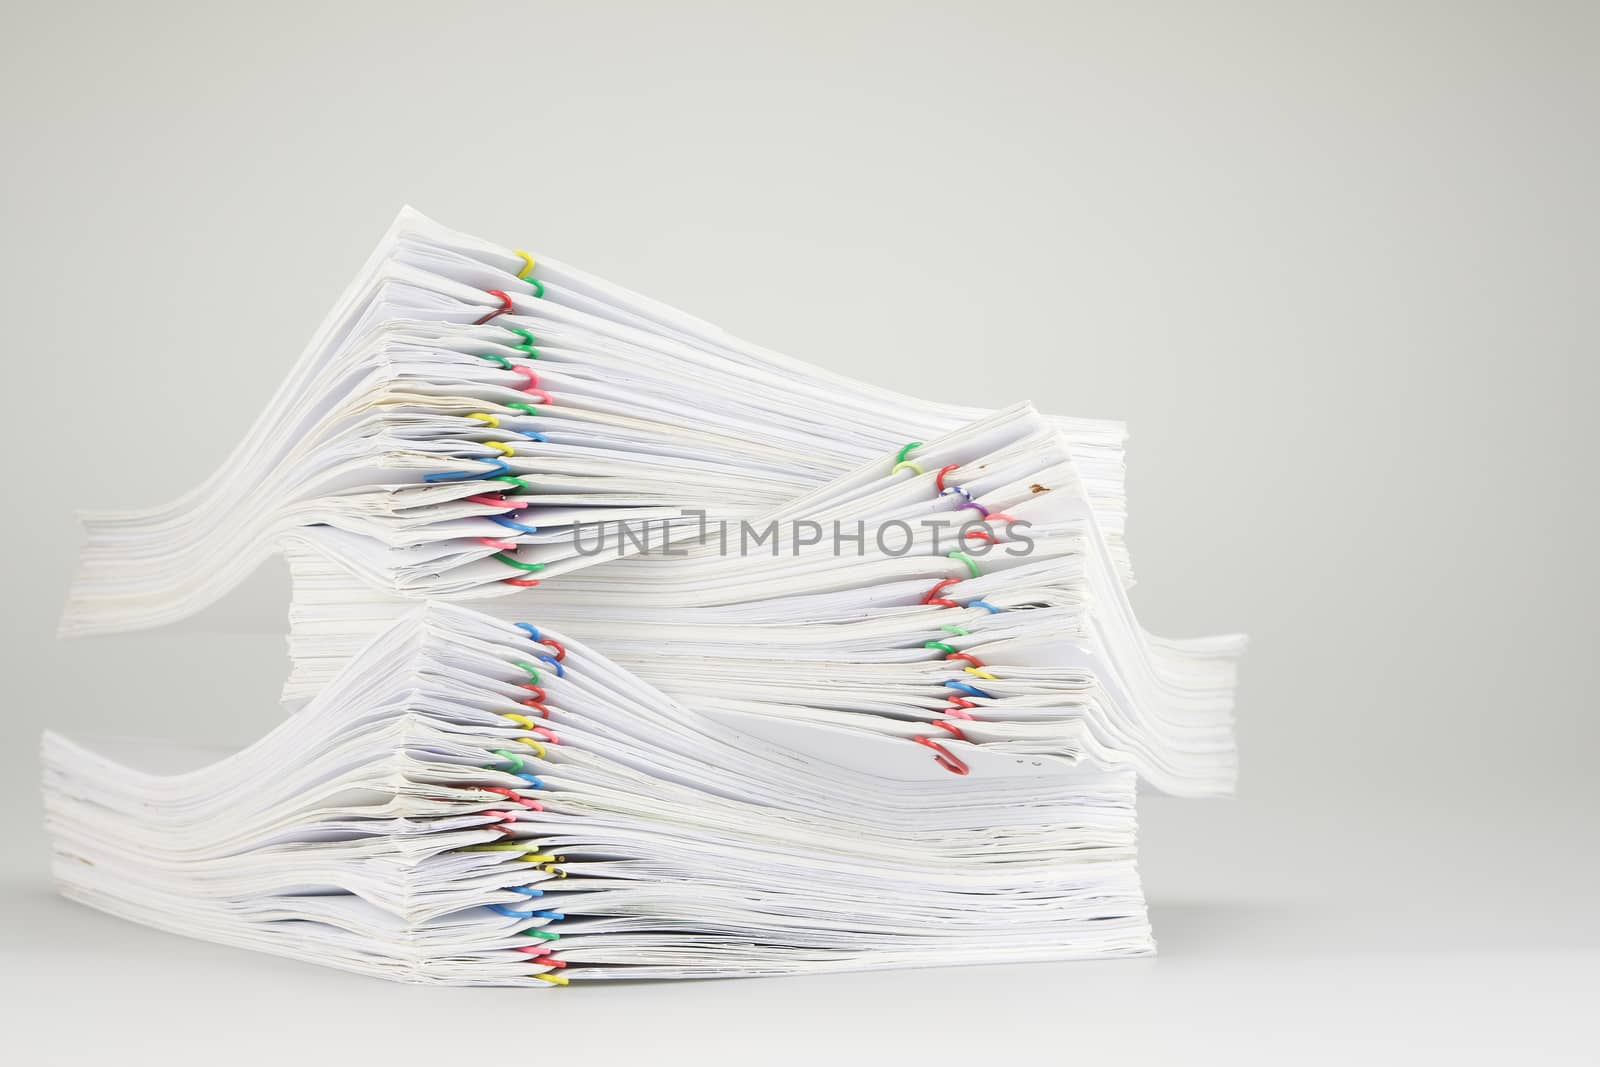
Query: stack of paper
(984, 615)
(420, 821)
(412, 445)
(873, 692)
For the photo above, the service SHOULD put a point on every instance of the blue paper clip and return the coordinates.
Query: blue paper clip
(467, 476)
(510, 525)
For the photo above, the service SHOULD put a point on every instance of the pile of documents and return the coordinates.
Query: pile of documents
(623, 648)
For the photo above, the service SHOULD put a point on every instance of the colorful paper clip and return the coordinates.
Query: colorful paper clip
(505, 306)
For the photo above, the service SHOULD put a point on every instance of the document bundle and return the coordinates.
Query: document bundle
(622, 648)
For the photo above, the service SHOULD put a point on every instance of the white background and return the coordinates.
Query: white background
(1334, 263)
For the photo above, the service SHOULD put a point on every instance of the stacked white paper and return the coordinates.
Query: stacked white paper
(406, 439)
(873, 692)
(989, 615)
(418, 821)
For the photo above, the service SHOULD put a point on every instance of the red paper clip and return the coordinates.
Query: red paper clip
(513, 795)
(505, 306)
(947, 759)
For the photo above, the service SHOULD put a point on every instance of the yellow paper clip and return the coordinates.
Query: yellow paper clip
(535, 745)
(553, 979)
(521, 720)
(504, 448)
(985, 675)
(527, 269)
(486, 418)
